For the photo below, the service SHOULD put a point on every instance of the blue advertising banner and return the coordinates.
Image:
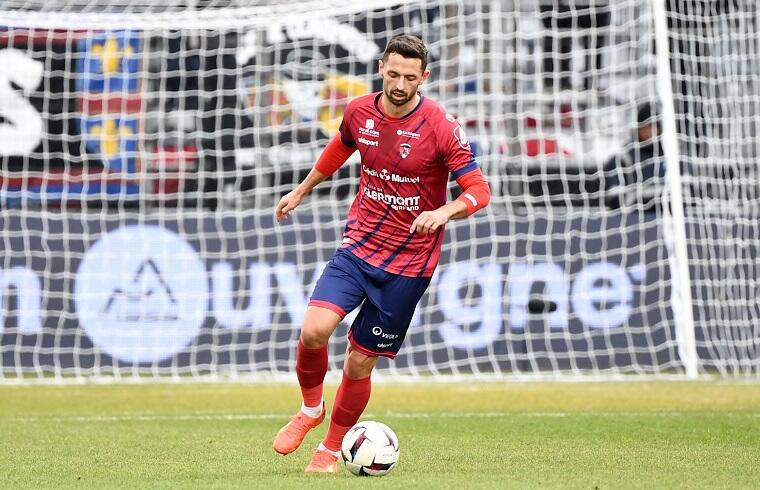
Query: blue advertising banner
(228, 292)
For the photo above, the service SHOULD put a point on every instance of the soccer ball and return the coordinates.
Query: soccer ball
(370, 448)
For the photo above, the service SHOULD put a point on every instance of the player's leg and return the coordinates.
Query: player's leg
(311, 356)
(378, 330)
(350, 401)
(311, 367)
(337, 292)
(352, 396)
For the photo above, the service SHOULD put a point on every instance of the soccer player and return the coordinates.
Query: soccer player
(392, 240)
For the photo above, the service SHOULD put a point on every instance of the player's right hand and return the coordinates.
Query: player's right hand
(288, 203)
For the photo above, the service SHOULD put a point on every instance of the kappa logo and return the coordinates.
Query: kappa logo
(405, 149)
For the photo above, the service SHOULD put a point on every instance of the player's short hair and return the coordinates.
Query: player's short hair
(407, 46)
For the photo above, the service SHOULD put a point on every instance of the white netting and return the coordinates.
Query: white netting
(716, 75)
(144, 145)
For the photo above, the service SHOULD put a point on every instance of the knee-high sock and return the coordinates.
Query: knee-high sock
(350, 402)
(311, 367)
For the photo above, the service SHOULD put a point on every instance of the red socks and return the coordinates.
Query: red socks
(311, 367)
(350, 402)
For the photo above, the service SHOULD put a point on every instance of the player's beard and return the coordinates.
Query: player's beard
(398, 98)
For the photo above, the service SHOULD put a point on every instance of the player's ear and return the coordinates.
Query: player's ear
(380, 66)
(425, 76)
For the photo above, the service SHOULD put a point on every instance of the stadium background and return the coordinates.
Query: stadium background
(139, 177)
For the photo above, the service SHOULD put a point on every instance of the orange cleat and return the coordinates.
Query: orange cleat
(292, 435)
(323, 461)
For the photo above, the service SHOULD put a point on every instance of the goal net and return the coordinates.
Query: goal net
(144, 145)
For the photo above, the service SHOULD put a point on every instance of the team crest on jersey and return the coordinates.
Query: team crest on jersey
(406, 148)
(369, 124)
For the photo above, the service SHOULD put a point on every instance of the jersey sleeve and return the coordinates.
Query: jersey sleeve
(455, 147)
(344, 131)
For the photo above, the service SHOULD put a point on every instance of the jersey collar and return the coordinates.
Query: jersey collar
(379, 109)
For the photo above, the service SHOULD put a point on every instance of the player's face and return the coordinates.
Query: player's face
(401, 78)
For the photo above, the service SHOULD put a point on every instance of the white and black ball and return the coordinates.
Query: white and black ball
(370, 449)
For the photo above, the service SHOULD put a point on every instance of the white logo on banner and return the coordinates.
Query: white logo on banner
(28, 288)
(21, 126)
(141, 293)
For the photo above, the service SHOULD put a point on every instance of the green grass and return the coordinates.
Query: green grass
(510, 435)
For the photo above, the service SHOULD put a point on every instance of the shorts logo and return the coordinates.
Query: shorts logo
(378, 331)
(405, 149)
(383, 346)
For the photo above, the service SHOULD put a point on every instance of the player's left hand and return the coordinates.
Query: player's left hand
(429, 221)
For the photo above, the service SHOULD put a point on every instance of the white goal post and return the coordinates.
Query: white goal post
(143, 146)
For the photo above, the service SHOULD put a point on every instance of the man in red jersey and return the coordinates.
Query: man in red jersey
(392, 241)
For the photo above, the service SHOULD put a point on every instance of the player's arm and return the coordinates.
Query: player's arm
(475, 196)
(333, 156)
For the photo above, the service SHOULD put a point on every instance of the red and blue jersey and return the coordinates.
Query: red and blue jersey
(405, 166)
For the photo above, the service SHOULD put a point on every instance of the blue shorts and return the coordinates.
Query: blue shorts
(389, 302)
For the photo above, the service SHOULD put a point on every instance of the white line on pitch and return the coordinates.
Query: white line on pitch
(400, 415)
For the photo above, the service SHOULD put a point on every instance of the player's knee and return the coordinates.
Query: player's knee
(318, 326)
(315, 333)
(313, 337)
(358, 365)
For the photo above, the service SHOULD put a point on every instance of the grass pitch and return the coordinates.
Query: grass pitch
(508, 435)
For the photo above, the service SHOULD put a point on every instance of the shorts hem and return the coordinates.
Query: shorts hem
(330, 306)
(370, 352)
